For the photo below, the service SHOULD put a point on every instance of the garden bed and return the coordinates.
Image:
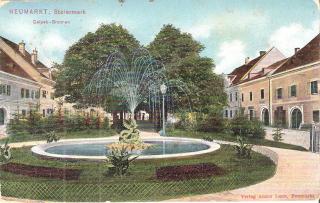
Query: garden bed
(140, 184)
(42, 172)
(186, 172)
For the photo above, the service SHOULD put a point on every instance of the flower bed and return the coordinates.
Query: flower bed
(40, 171)
(184, 172)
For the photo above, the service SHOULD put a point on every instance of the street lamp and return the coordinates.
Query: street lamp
(163, 90)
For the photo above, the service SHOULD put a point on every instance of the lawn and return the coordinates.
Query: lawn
(231, 138)
(140, 184)
(90, 133)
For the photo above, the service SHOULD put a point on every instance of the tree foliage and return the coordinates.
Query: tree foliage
(85, 57)
(180, 53)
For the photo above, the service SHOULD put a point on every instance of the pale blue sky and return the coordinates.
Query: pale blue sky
(229, 29)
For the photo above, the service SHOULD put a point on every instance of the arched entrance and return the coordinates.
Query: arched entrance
(2, 116)
(296, 118)
(265, 116)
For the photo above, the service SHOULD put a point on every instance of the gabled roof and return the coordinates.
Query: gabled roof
(308, 54)
(269, 69)
(26, 57)
(241, 71)
(9, 66)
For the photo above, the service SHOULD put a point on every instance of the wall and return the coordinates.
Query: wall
(257, 103)
(304, 101)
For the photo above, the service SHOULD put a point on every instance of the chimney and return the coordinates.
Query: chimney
(262, 53)
(22, 47)
(246, 61)
(34, 56)
(296, 49)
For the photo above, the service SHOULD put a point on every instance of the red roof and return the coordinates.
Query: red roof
(262, 73)
(242, 70)
(27, 56)
(9, 66)
(308, 54)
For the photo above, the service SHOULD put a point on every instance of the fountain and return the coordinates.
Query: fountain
(134, 81)
(141, 80)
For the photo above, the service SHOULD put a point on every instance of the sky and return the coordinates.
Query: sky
(230, 30)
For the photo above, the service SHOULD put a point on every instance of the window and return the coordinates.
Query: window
(250, 96)
(314, 87)
(32, 94)
(37, 96)
(293, 91)
(44, 94)
(3, 89)
(230, 97)
(27, 94)
(226, 113)
(262, 93)
(236, 112)
(2, 116)
(242, 97)
(279, 93)
(22, 93)
(44, 113)
(24, 113)
(230, 113)
(48, 111)
(251, 114)
(236, 95)
(316, 116)
(8, 90)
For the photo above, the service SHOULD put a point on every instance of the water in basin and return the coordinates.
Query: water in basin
(157, 148)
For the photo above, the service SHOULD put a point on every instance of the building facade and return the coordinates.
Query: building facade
(286, 91)
(25, 83)
(240, 97)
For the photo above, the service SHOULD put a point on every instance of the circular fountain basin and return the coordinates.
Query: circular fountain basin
(95, 149)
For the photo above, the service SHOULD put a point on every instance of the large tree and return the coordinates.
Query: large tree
(85, 57)
(180, 53)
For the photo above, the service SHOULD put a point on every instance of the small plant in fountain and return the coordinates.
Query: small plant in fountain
(5, 154)
(120, 154)
(52, 137)
(277, 133)
(131, 134)
(119, 158)
(243, 150)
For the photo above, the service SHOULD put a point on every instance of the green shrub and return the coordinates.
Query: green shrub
(106, 123)
(119, 159)
(35, 124)
(17, 126)
(52, 136)
(277, 133)
(243, 150)
(207, 138)
(242, 126)
(212, 123)
(5, 153)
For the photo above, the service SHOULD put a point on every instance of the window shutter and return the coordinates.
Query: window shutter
(308, 88)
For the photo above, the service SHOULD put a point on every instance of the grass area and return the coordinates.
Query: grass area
(90, 133)
(140, 184)
(231, 138)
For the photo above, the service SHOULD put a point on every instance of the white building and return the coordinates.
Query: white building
(25, 83)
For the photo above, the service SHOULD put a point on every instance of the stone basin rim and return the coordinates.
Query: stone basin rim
(40, 149)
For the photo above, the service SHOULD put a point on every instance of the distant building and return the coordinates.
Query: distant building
(279, 89)
(25, 83)
(250, 70)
